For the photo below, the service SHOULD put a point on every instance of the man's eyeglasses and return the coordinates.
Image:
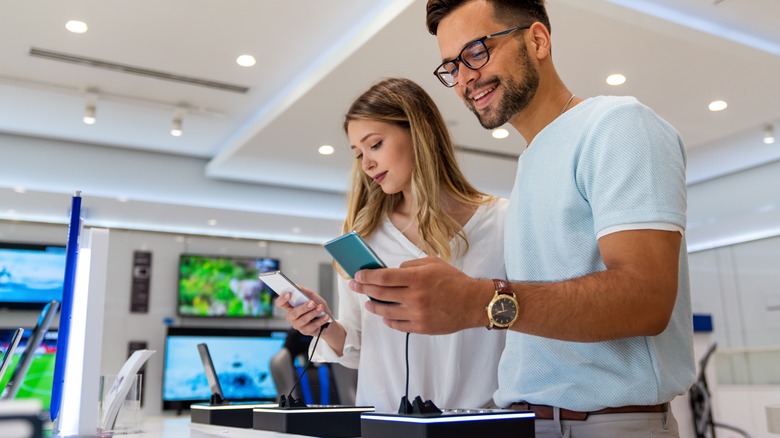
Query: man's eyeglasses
(474, 56)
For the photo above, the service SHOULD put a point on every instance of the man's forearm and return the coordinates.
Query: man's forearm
(597, 307)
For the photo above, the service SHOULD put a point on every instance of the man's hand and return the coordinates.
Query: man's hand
(431, 296)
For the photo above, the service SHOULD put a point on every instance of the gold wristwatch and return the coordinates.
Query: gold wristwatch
(502, 309)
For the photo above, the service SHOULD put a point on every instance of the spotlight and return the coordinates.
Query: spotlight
(176, 128)
(89, 115)
(90, 109)
(178, 116)
(769, 134)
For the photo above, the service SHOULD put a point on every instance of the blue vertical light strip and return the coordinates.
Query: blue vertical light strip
(71, 256)
(324, 378)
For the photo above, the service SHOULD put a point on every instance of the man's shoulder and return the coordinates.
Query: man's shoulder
(602, 104)
(619, 110)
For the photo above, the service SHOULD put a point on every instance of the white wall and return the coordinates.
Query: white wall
(299, 261)
(740, 286)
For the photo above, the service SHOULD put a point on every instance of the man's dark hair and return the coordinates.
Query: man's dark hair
(511, 12)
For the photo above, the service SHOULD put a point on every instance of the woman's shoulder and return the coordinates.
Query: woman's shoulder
(492, 211)
(496, 204)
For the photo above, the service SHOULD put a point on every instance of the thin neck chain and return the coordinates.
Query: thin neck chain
(565, 107)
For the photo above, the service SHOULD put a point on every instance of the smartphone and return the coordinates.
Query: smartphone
(280, 284)
(352, 253)
(217, 397)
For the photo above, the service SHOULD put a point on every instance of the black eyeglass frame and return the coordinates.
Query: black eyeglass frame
(460, 60)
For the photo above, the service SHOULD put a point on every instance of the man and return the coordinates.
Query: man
(598, 307)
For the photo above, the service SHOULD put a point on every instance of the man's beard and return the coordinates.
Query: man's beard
(516, 97)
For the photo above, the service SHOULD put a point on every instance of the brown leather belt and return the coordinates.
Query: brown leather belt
(544, 412)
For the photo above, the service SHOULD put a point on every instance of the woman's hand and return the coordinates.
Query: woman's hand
(305, 318)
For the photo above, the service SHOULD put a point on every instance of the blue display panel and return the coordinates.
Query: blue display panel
(241, 359)
(31, 275)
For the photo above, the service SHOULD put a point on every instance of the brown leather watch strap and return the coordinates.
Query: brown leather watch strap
(503, 286)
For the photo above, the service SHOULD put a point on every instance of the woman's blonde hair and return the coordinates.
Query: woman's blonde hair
(404, 103)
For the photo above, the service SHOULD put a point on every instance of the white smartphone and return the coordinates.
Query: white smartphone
(280, 284)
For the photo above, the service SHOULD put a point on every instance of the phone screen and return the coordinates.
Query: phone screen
(281, 285)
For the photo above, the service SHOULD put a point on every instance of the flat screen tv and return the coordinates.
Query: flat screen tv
(37, 382)
(224, 286)
(241, 358)
(31, 275)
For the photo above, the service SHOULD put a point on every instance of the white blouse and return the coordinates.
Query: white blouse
(455, 371)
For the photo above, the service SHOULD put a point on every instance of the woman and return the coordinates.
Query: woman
(409, 200)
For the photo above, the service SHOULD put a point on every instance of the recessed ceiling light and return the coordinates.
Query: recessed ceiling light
(296, 230)
(212, 222)
(76, 26)
(246, 60)
(616, 79)
(718, 105)
(500, 133)
(326, 149)
(122, 199)
(20, 190)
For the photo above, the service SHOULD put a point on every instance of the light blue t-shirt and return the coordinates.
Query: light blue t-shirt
(608, 161)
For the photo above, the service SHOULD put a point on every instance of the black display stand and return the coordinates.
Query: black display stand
(477, 423)
(320, 421)
(235, 414)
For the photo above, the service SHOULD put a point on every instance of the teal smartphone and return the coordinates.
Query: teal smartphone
(353, 254)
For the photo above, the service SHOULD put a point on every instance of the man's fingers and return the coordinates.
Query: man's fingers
(395, 312)
(387, 277)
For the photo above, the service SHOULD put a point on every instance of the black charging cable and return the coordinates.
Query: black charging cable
(289, 401)
(418, 407)
(406, 392)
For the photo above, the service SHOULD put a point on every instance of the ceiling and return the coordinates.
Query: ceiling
(248, 161)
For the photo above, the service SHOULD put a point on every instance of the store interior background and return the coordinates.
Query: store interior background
(245, 178)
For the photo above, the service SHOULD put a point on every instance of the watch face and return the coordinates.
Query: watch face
(503, 311)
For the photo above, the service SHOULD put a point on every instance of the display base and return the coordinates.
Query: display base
(460, 423)
(318, 420)
(235, 414)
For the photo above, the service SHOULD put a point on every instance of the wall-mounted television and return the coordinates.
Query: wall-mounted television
(37, 382)
(224, 286)
(241, 358)
(31, 275)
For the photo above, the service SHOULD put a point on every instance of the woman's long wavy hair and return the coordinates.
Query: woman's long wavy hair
(435, 174)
